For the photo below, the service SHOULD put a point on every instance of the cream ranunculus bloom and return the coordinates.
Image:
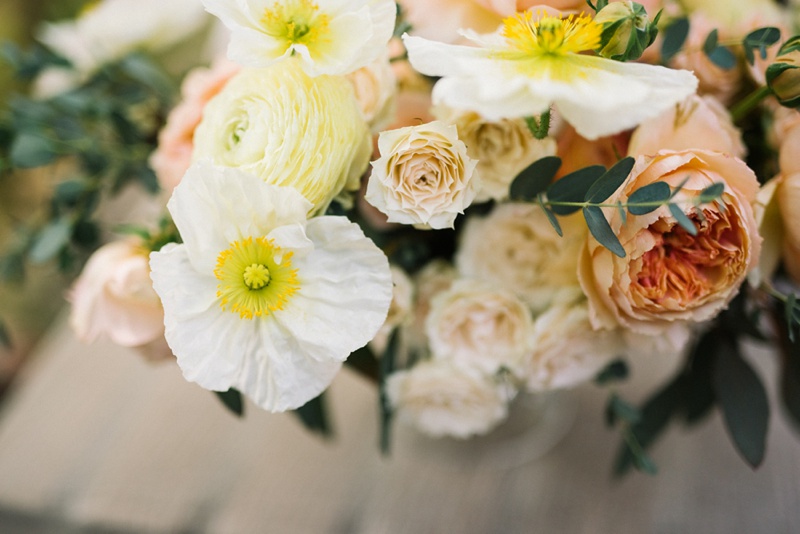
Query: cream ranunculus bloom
(289, 129)
(516, 248)
(669, 276)
(324, 37)
(477, 324)
(442, 398)
(424, 175)
(534, 62)
(696, 123)
(503, 148)
(259, 299)
(114, 296)
(566, 350)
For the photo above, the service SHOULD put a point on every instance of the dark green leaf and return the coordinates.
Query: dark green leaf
(760, 40)
(674, 37)
(86, 234)
(144, 71)
(699, 392)
(232, 400)
(723, 58)
(551, 217)
(742, 399)
(621, 410)
(790, 383)
(572, 188)
(12, 268)
(29, 150)
(609, 182)
(601, 230)
(5, 338)
(314, 415)
(712, 192)
(535, 178)
(50, 240)
(616, 370)
(69, 192)
(644, 463)
(387, 365)
(711, 42)
(656, 193)
(682, 219)
(364, 362)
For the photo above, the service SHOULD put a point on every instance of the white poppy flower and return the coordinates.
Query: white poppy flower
(259, 299)
(535, 61)
(329, 37)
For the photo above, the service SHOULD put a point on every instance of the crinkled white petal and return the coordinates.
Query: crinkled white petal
(215, 206)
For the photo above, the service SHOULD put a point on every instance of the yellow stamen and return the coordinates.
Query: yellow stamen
(255, 277)
(551, 35)
(296, 22)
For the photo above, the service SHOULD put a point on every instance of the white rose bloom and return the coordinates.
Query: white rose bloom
(111, 29)
(534, 62)
(289, 129)
(259, 299)
(423, 177)
(399, 309)
(375, 87)
(441, 398)
(516, 248)
(474, 323)
(566, 350)
(326, 37)
(503, 148)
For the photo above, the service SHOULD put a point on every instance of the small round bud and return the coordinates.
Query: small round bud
(783, 74)
(627, 31)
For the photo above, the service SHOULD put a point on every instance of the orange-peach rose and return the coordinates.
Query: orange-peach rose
(175, 141)
(696, 123)
(667, 275)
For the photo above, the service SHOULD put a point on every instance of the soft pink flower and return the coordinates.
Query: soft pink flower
(667, 275)
(175, 141)
(114, 296)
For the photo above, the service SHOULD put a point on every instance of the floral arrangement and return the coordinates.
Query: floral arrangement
(463, 201)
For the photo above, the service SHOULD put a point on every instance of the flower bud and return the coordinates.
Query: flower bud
(627, 31)
(783, 75)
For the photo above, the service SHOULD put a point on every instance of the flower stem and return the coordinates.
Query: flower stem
(742, 108)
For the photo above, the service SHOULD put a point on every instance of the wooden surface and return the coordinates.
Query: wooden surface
(95, 440)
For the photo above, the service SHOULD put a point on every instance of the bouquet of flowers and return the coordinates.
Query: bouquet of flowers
(463, 201)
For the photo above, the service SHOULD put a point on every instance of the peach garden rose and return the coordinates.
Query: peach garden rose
(667, 274)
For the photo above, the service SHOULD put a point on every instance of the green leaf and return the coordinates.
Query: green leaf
(572, 188)
(232, 400)
(69, 192)
(743, 401)
(610, 181)
(682, 219)
(712, 192)
(387, 365)
(698, 394)
(711, 42)
(656, 192)
(620, 410)
(5, 338)
(613, 372)
(12, 268)
(723, 58)
(535, 178)
(314, 416)
(790, 383)
(760, 40)
(30, 150)
(601, 230)
(364, 362)
(50, 240)
(540, 127)
(145, 71)
(551, 217)
(674, 37)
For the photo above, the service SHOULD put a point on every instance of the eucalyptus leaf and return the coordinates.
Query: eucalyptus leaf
(760, 40)
(723, 58)
(572, 188)
(674, 37)
(712, 192)
(551, 217)
(656, 193)
(5, 338)
(682, 219)
(314, 416)
(50, 240)
(743, 401)
(232, 400)
(535, 178)
(610, 181)
(29, 150)
(790, 383)
(601, 230)
(711, 41)
(613, 372)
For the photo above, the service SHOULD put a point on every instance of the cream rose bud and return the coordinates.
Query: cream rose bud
(399, 309)
(566, 350)
(503, 148)
(696, 123)
(375, 87)
(516, 248)
(669, 275)
(477, 324)
(289, 129)
(424, 175)
(442, 398)
(114, 296)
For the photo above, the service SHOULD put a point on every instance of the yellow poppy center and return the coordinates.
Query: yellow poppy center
(550, 35)
(255, 277)
(296, 22)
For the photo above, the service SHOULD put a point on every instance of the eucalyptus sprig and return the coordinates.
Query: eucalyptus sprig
(588, 190)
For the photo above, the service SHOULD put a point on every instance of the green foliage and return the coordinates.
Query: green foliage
(535, 178)
(566, 196)
(540, 127)
(387, 367)
(674, 37)
(5, 338)
(615, 371)
(232, 400)
(314, 416)
(721, 56)
(610, 181)
(600, 229)
(648, 198)
(682, 219)
(759, 40)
